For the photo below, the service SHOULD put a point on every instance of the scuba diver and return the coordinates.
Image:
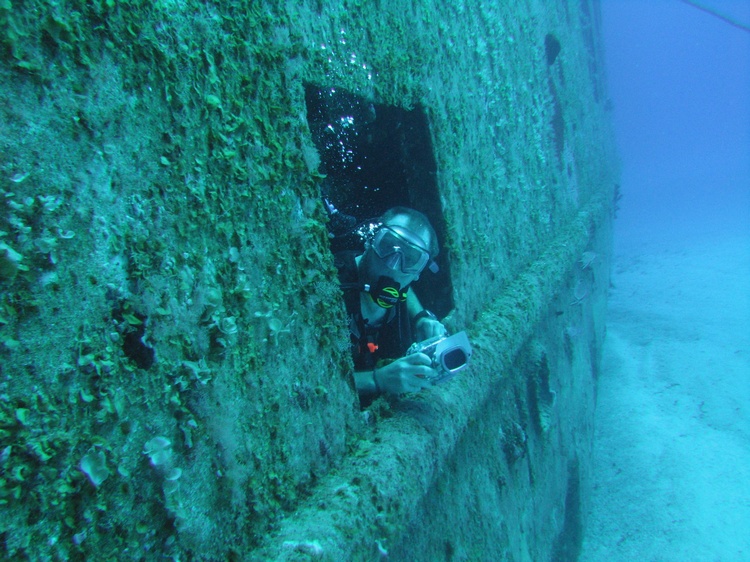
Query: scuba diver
(385, 317)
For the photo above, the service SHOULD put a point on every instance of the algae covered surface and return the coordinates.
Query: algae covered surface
(175, 376)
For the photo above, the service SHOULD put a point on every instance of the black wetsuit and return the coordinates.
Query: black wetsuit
(370, 344)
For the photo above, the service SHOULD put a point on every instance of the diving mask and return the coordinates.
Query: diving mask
(400, 249)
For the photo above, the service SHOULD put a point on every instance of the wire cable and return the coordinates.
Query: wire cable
(722, 17)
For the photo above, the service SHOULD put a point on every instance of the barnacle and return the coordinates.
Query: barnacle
(159, 450)
(587, 259)
(94, 466)
(228, 325)
(580, 293)
(10, 262)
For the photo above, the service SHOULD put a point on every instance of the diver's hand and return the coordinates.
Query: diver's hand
(427, 328)
(407, 374)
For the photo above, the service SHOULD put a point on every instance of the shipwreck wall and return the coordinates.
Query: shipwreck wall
(175, 377)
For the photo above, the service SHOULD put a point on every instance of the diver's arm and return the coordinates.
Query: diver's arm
(427, 326)
(413, 306)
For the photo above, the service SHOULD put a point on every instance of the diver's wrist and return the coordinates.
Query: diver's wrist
(424, 313)
(366, 383)
(375, 381)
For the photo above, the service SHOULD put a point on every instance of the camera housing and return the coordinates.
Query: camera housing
(449, 354)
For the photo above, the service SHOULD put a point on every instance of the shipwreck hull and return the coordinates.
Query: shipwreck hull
(176, 377)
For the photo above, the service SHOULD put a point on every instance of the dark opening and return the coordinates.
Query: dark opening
(135, 349)
(376, 157)
(551, 48)
(567, 545)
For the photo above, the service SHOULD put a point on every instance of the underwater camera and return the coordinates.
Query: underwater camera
(449, 354)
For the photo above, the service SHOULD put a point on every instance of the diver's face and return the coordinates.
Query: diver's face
(397, 252)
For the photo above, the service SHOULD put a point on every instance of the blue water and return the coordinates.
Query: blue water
(672, 445)
(680, 85)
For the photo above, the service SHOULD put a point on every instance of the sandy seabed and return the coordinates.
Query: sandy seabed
(671, 479)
